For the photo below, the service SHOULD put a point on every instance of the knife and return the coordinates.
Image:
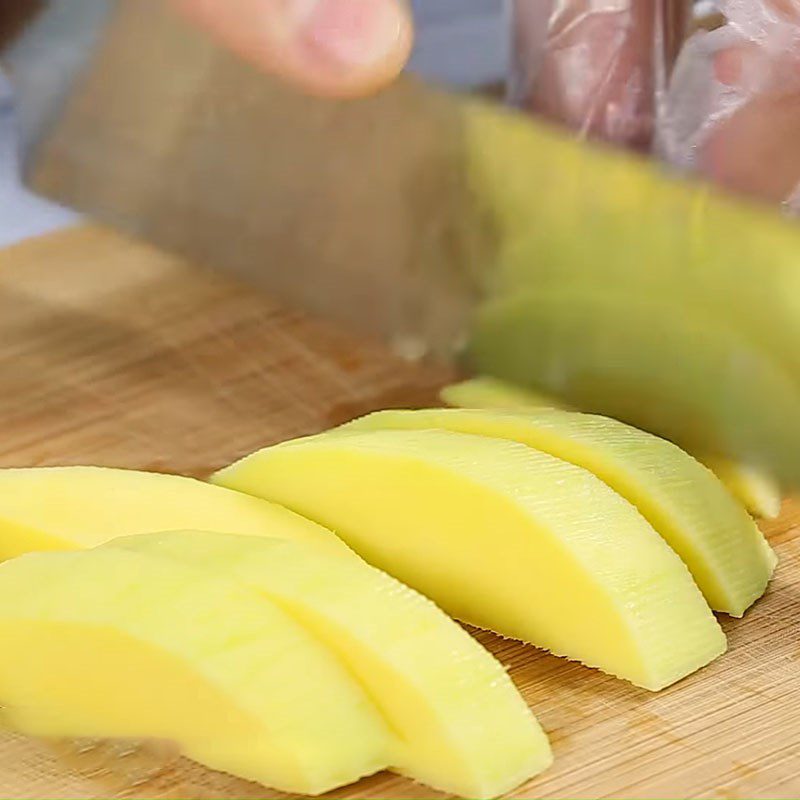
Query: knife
(449, 226)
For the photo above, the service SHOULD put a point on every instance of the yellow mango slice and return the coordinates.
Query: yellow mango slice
(68, 508)
(756, 491)
(460, 724)
(504, 537)
(109, 643)
(487, 392)
(726, 553)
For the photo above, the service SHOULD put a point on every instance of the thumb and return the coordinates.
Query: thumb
(338, 48)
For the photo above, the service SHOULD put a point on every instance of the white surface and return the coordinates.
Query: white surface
(22, 215)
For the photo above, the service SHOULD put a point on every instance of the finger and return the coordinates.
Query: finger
(339, 48)
(755, 151)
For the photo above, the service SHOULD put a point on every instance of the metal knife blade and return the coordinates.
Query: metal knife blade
(444, 224)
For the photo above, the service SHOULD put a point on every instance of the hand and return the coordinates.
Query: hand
(338, 48)
(594, 66)
(753, 148)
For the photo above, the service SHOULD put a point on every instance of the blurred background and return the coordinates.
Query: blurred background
(462, 43)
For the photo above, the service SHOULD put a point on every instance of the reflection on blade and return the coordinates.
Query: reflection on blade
(637, 296)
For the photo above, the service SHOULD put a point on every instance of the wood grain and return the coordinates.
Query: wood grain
(112, 353)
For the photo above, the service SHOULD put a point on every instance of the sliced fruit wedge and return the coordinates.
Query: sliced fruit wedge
(504, 537)
(110, 643)
(460, 724)
(723, 548)
(755, 490)
(68, 508)
(487, 392)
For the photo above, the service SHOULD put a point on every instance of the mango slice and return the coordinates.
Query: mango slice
(755, 490)
(487, 392)
(460, 724)
(68, 508)
(108, 643)
(504, 537)
(723, 548)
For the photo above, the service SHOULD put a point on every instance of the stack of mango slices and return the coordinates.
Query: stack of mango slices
(291, 622)
(755, 490)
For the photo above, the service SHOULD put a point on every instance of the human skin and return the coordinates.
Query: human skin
(590, 65)
(595, 66)
(342, 48)
(588, 68)
(756, 149)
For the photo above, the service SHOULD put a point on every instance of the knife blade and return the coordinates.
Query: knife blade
(453, 228)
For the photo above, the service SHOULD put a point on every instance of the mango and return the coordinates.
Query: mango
(504, 537)
(487, 392)
(723, 548)
(68, 508)
(459, 723)
(111, 643)
(753, 488)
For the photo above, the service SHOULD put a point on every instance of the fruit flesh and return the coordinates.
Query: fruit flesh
(460, 724)
(68, 508)
(504, 537)
(486, 392)
(113, 644)
(754, 490)
(727, 555)
(758, 493)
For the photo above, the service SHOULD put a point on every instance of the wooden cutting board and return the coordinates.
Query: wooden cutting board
(113, 353)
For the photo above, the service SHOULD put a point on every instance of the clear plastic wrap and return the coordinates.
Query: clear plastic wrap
(599, 66)
(732, 112)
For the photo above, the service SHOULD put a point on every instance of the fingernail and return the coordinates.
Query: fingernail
(351, 33)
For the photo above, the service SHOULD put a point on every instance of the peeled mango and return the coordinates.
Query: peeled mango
(70, 508)
(108, 643)
(754, 489)
(277, 661)
(685, 503)
(504, 537)
(459, 723)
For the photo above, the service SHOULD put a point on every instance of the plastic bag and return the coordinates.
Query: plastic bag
(732, 112)
(599, 66)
